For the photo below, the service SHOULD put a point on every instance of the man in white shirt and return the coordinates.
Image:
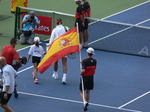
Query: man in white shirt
(57, 32)
(8, 75)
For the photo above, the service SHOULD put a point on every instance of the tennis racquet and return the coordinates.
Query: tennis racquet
(73, 55)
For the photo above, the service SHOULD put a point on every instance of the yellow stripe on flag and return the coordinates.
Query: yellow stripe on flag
(63, 43)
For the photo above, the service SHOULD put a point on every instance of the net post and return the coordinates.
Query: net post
(54, 14)
(16, 21)
(80, 59)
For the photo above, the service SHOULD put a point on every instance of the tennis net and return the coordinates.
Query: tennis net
(120, 37)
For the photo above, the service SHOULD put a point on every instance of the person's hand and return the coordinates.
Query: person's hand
(29, 19)
(33, 20)
(27, 60)
(89, 20)
(83, 24)
(5, 95)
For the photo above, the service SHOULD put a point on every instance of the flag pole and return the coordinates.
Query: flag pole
(81, 66)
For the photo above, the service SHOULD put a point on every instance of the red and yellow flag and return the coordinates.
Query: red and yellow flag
(62, 46)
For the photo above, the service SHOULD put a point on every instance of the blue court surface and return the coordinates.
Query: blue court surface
(122, 82)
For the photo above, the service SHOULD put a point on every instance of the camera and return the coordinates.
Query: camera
(32, 17)
(23, 60)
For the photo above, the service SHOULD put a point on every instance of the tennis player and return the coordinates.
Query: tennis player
(79, 15)
(87, 11)
(57, 32)
(87, 73)
(36, 51)
(8, 75)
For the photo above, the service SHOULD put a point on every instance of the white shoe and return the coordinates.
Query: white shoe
(64, 80)
(55, 76)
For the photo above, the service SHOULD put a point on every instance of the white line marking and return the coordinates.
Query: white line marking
(134, 99)
(74, 101)
(118, 31)
(23, 48)
(126, 10)
(25, 69)
(29, 46)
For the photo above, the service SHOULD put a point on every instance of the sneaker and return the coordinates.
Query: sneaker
(55, 76)
(33, 75)
(86, 107)
(36, 81)
(63, 80)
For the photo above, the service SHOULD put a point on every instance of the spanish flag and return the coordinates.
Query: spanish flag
(62, 46)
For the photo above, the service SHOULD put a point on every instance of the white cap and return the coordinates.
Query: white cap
(78, 0)
(36, 39)
(90, 50)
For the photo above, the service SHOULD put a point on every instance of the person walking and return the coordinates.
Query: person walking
(36, 51)
(87, 77)
(8, 81)
(57, 32)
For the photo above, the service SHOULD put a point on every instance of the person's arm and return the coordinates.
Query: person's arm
(80, 11)
(30, 53)
(36, 21)
(82, 20)
(52, 37)
(83, 68)
(43, 51)
(16, 58)
(7, 83)
(26, 19)
(6, 92)
(28, 58)
(82, 71)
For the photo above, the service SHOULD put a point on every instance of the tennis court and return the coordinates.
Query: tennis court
(121, 81)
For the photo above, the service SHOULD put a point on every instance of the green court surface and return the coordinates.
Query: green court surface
(100, 9)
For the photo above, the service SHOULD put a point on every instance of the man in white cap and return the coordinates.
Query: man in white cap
(29, 22)
(87, 73)
(36, 51)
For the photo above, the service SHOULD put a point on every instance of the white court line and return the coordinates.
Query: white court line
(29, 46)
(25, 69)
(23, 48)
(74, 101)
(118, 31)
(134, 99)
(126, 10)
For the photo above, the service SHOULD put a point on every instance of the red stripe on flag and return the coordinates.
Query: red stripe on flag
(57, 56)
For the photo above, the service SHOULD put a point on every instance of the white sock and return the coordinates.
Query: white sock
(85, 103)
(55, 72)
(64, 75)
